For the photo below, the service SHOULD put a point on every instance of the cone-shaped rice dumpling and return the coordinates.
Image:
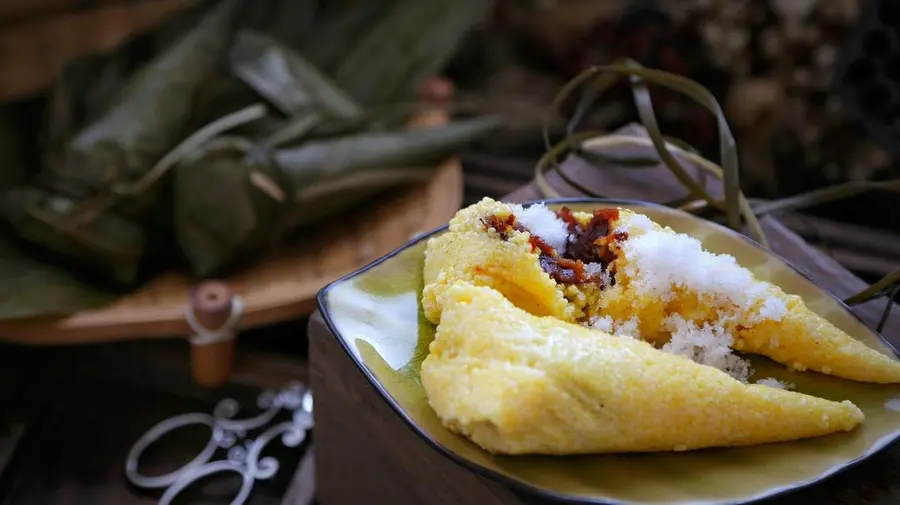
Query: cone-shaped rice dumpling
(258, 200)
(670, 273)
(31, 287)
(286, 79)
(516, 383)
(273, 186)
(148, 118)
(420, 38)
(618, 271)
(95, 177)
(471, 250)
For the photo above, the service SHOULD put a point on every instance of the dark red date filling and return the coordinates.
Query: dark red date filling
(568, 267)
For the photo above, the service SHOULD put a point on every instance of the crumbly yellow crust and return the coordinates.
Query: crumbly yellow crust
(469, 252)
(515, 383)
(790, 334)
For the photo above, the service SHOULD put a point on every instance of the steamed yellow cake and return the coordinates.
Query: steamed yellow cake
(516, 383)
(473, 252)
(684, 297)
(619, 272)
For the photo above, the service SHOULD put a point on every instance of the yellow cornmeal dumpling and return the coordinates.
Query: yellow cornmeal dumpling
(469, 251)
(672, 288)
(515, 383)
(667, 290)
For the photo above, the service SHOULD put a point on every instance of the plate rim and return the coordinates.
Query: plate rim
(522, 486)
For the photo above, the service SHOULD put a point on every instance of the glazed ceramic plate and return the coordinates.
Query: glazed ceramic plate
(376, 315)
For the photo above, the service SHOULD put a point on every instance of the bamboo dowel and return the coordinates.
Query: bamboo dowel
(212, 359)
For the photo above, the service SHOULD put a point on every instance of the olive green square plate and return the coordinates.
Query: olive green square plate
(376, 315)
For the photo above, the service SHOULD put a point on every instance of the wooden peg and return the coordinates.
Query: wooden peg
(212, 360)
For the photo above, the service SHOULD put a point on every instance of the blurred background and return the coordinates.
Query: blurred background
(147, 145)
(772, 65)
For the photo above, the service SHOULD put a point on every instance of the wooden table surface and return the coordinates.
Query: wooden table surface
(358, 435)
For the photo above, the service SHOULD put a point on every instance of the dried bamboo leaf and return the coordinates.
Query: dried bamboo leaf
(888, 306)
(34, 214)
(75, 213)
(336, 30)
(385, 118)
(261, 195)
(420, 38)
(824, 195)
(326, 159)
(15, 169)
(295, 128)
(633, 161)
(326, 198)
(148, 117)
(326, 47)
(876, 290)
(217, 225)
(286, 79)
(187, 146)
(374, 180)
(291, 18)
(595, 90)
(29, 286)
(355, 158)
(82, 91)
(548, 160)
(735, 203)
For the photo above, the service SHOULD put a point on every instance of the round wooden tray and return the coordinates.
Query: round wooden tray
(280, 287)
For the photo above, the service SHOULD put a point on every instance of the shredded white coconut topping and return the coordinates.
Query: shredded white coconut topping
(774, 383)
(660, 262)
(772, 309)
(593, 268)
(638, 223)
(603, 323)
(596, 269)
(607, 324)
(629, 328)
(706, 344)
(544, 223)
